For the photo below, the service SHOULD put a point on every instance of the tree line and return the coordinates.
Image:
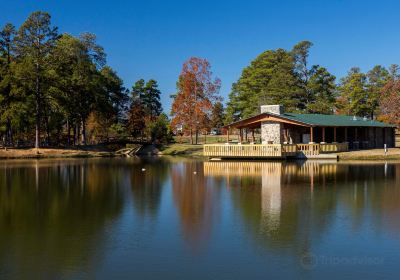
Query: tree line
(286, 77)
(57, 89)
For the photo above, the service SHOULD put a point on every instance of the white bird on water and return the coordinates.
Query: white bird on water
(143, 169)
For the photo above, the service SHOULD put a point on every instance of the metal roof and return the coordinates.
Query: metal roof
(318, 120)
(334, 120)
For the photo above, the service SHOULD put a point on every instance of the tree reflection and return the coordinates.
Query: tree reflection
(196, 201)
(52, 225)
(147, 179)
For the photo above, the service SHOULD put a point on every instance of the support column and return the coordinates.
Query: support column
(246, 135)
(240, 135)
(375, 144)
(252, 135)
(345, 135)
(384, 136)
(311, 135)
(323, 135)
(227, 134)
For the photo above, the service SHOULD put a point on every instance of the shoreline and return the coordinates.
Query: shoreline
(181, 150)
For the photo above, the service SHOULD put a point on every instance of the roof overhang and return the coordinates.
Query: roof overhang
(255, 121)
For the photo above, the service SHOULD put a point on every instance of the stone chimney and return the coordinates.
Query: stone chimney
(272, 132)
(273, 109)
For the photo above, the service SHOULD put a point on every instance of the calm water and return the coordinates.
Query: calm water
(182, 219)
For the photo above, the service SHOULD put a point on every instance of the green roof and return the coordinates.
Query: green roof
(333, 120)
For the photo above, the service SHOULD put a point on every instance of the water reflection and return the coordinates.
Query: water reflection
(160, 218)
(290, 206)
(147, 179)
(56, 212)
(196, 200)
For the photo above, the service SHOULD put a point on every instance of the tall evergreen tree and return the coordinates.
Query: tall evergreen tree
(377, 78)
(34, 42)
(217, 115)
(151, 99)
(6, 57)
(321, 90)
(353, 94)
(269, 79)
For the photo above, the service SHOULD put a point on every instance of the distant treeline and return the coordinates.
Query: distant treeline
(57, 89)
(286, 77)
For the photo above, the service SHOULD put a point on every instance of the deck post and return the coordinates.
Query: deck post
(323, 135)
(246, 139)
(345, 135)
(252, 135)
(375, 144)
(311, 135)
(334, 134)
(240, 135)
(384, 136)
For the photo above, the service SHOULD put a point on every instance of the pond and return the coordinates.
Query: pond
(171, 218)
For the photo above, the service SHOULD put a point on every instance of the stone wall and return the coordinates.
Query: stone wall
(271, 132)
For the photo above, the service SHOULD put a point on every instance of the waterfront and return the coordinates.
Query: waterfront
(187, 219)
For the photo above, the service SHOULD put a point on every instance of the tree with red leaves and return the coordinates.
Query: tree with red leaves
(390, 102)
(197, 92)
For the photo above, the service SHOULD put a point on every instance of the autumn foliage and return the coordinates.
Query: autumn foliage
(390, 102)
(197, 92)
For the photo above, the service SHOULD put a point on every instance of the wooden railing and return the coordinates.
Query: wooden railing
(334, 147)
(238, 151)
(308, 149)
(289, 149)
(271, 150)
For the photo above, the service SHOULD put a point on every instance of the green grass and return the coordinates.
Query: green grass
(182, 149)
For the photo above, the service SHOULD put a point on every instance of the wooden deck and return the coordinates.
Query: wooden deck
(272, 150)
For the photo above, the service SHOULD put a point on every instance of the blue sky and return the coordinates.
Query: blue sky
(152, 38)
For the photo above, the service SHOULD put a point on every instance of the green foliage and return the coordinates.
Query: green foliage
(360, 94)
(270, 79)
(145, 108)
(321, 92)
(33, 44)
(53, 83)
(159, 130)
(217, 115)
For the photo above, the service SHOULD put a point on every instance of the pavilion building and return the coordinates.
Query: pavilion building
(310, 134)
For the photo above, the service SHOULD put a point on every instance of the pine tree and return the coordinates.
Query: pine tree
(353, 94)
(6, 76)
(34, 42)
(151, 99)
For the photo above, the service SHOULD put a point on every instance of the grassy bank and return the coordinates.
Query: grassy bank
(53, 153)
(373, 154)
(181, 149)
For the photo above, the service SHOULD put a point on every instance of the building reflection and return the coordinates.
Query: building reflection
(53, 225)
(292, 205)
